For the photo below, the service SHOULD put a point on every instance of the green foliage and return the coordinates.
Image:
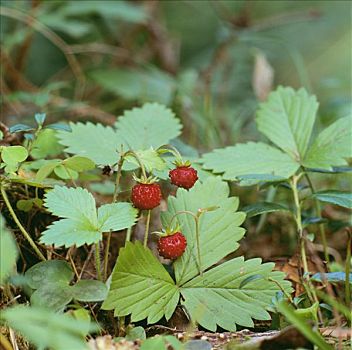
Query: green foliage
(250, 159)
(46, 329)
(82, 223)
(343, 199)
(9, 252)
(332, 146)
(162, 343)
(51, 281)
(139, 129)
(141, 286)
(46, 145)
(263, 207)
(287, 119)
(12, 156)
(300, 323)
(148, 85)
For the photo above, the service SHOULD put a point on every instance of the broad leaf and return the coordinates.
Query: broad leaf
(46, 329)
(250, 158)
(151, 125)
(287, 119)
(46, 144)
(95, 141)
(217, 299)
(12, 155)
(219, 229)
(89, 290)
(343, 199)
(8, 250)
(332, 146)
(54, 296)
(82, 223)
(47, 272)
(263, 207)
(78, 163)
(46, 169)
(139, 129)
(141, 286)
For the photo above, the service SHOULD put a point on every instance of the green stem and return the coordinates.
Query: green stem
(18, 223)
(147, 229)
(97, 261)
(114, 198)
(196, 219)
(318, 213)
(348, 270)
(128, 235)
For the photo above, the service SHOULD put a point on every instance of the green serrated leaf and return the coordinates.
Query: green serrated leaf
(217, 299)
(78, 163)
(157, 125)
(343, 199)
(116, 216)
(219, 229)
(263, 207)
(95, 141)
(150, 159)
(82, 223)
(54, 295)
(47, 272)
(250, 158)
(8, 252)
(287, 119)
(46, 329)
(89, 290)
(141, 286)
(332, 146)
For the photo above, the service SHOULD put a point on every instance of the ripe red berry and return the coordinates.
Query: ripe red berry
(146, 196)
(172, 246)
(183, 176)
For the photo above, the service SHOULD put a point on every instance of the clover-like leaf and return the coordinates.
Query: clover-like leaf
(8, 250)
(254, 158)
(332, 146)
(287, 119)
(141, 286)
(82, 224)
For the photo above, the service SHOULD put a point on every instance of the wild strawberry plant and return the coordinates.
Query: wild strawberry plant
(200, 227)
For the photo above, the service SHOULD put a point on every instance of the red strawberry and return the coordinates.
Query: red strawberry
(172, 246)
(183, 176)
(146, 196)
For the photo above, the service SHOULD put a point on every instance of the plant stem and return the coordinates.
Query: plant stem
(147, 229)
(114, 198)
(128, 235)
(5, 343)
(18, 223)
(318, 213)
(97, 261)
(348, 270)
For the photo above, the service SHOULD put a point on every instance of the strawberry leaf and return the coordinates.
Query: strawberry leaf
(250, 158)
(219, 297)
(219, 229)
(141, 286)
(332, 146)
(81, 223)
(287, 119)
(139, 129)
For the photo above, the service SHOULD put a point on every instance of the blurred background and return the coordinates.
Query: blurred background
(212, 62)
